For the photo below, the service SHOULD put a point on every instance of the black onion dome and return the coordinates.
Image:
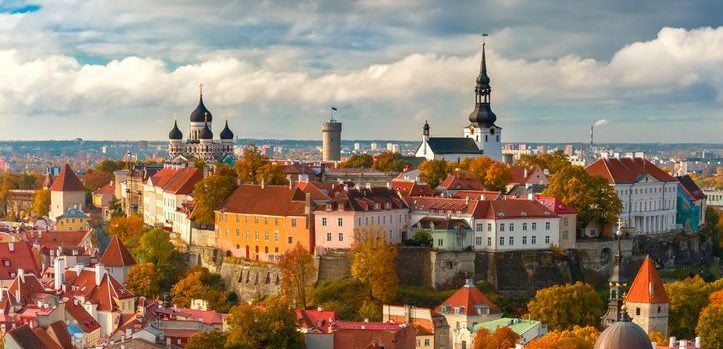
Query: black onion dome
(206, 133)
(482, 115)
(175, 132)
(226, 132)
(623, 335)
(201, 114)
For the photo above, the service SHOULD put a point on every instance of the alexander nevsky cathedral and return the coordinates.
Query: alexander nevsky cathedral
(200, 143)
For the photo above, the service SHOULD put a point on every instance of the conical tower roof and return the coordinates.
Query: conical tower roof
(67, 180)
(117, 255)
(647, 286)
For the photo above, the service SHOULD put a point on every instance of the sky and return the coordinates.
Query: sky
(123, 70)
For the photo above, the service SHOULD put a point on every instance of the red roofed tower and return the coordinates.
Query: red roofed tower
(66, 191)
(465, 308)
(647, 300)
(117, 260)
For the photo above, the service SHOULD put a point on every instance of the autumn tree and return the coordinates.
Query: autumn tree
(128, 229)
(709, 328)
(497, 177)
(563, 306)
(41, 202)
(155, 247)
(658, 338)
(144, 280)
(553, 162)
(248, 167)
(501, 338)
(199, 283)
(297, 273)
(111, 166)
(94, 179)
(272, 174)
(687, 298)
(358, 161)
(209, 194)
(574, 338)
(374, 263)
(433, 172)
(206, 340)
(591, 196)
(346, 297)
(390, 162)
(270, 325)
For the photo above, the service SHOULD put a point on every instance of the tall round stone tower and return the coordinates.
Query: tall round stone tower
(331, 140)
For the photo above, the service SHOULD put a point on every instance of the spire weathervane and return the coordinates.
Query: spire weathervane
(484, 35)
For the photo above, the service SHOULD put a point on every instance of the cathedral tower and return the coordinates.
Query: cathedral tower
(482, 128)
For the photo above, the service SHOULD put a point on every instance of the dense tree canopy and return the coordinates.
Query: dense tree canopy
(128, 229)
(144, 280)
(501, 338)
(209, 194)
(111, 166)
(562, 307)
(374, 263)
(346, 297)
(199, 283)
(591, 196)
(390, 162)
(553, 162)
(687, 298)
(709, 327)
(270, 325)
(206, 340)
(358, 161)
(433, 172)
(574, 338)
(155, 247)
(297, 273)
(41, 202)
(94, 179)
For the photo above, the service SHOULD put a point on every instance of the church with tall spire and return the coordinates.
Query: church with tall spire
(200, 143)
(480, 137)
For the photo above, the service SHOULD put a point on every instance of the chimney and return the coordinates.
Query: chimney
(21, 274)
(129, 332)
(697, 342)
(79, 268)
(671, 342)
(99, 271)
(389, 185)
(531, 197)
(368, 186)
(466, 200)
(683, 344)
(58, 269)
(11, 246)
(525, 173)
(263, 183)
(319, 308)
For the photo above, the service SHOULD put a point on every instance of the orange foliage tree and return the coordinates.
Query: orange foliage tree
(563, 306)
(575, 338)
(297, 272)
(501, 338)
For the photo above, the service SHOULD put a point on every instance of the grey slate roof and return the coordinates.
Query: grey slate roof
(453, 145)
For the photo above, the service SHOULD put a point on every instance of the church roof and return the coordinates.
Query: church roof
(467, 300)
(453, 145)
(175, 132)
(226, 132)
(647, 286)
(66, 180)
(201, 113)
(117, 255)
(623, 335)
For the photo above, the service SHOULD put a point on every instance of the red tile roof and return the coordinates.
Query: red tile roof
(106, 189)
(555, 205)
(403, 337)
(84, 286)
(467, 300)
(647, 287)
(21, 257)
(367, 199)
(627, 170)
(461, 180)
(535, 175)
(363, 325)
(27, 287)
(477, 194)
(506, 209)
(315, 320)
(272, 200)
(411, 188)
(25, 337)
(66, 180)
(59, 331)
(55, 239)
(693, 190)
(176, 180)
(86, 322)
(48, 342)
(117, 255)
(443, 204)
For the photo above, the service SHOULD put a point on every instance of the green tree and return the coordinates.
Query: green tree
(144, 280)
(199, 283)
(155, 247)
(687, 298)
(41, 202)
(422, 237)
(206, 340)
(249, 166)
(433, 172)
(563, 306)
(374, 263)
(358, 161)
(269, 326)
(390, 162)
(209, 194)
(591, 196)
(297, 273)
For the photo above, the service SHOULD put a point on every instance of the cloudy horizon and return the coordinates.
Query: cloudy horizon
(106, 70)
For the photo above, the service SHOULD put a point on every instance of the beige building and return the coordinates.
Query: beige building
(65, 192)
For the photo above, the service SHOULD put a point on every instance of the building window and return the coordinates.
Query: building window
(266, 235)
(426, 342)
(564, 235)
(478, 227)
(323, 221)
(502, 241)
(659, 308)
(524, 226)
(489, 227)
(512, 226)
(512, 240)
(440, 243)
(266, 220)
(293, 222)
(478, 240)
(276, 236)
(256, 219)
(358, 221)
(340, 222)
(276, 221)
(291, 239)
(485, 138)
(502, 226)
(547, 239)
(238, 233)
(247, 235)
(341, 236)
(534, 226)
(489, 242)
(256, 235)
(534, 239)
(328, 236)
(524, 240)
(547, 225)
(564, 221)
(637, 311)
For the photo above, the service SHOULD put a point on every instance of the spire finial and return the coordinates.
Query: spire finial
(175, 117)
(205, 117)
(200, 89)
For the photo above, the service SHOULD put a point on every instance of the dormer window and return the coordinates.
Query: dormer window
(328, 207)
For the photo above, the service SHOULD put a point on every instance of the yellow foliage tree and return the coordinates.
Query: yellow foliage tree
(433, 172)
(575, 338)
(41, 202)
(297, 272)
(501, 338)
(128, 229)
(658, 338)
(687, 298)
(374, 263)
(562, 307)
(143, 280)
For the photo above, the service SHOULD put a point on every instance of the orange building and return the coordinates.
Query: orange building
(263, 222)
